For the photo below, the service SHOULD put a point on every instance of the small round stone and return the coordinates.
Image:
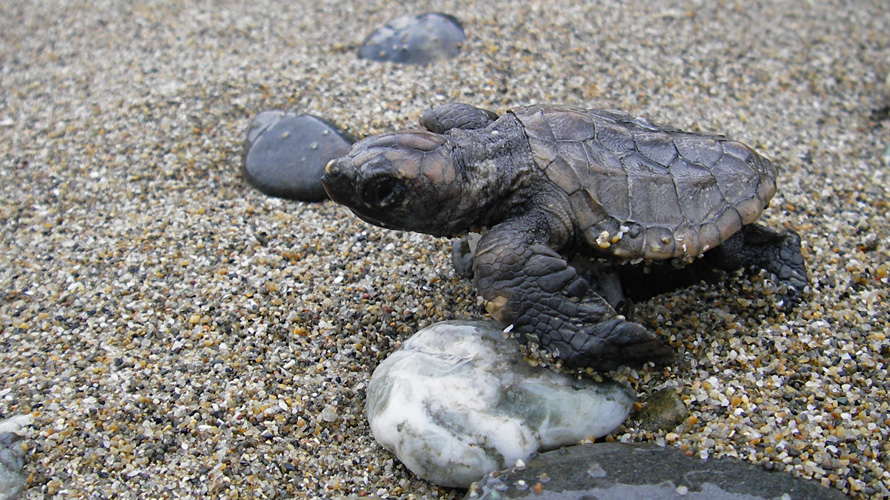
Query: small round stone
(415, 39)
(663, 412)
(285, 154)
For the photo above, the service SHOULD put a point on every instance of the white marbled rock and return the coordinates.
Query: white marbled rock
(458, 400)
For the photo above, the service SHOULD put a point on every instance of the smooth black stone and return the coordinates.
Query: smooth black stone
(285, 154)
(415, 40)
(618, 471)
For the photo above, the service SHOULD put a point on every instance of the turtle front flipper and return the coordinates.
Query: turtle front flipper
(528, 285)
(456, 115)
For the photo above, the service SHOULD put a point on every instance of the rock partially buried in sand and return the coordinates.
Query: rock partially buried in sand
(286, 152)
(664, 411)
(415, 39)
(458, 400)
(618, 471)
(12, 456)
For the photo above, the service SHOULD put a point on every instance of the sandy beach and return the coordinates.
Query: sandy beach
(177, 334)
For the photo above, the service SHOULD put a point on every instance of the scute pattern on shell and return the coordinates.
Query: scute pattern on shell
(643, 190)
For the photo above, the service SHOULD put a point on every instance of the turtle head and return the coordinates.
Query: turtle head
(409, 180)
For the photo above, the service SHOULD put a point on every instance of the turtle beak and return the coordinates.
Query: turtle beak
(340, 181)
(334, 180)
(332, 169)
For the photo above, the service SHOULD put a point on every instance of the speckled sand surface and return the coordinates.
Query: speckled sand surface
(178, 334)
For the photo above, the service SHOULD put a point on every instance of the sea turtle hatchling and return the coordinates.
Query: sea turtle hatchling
(551, 179)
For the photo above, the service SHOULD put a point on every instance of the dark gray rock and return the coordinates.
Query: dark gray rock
(415, 39)
(285, 154)
(618, 471)
(664, 410)
(12, 456)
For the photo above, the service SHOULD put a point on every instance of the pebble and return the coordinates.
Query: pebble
(285, 154)
(418, 39)
(619, 471)
(663, 411)
(12, 456)
(458, 400)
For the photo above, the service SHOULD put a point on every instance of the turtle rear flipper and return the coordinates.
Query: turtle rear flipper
(759, 247)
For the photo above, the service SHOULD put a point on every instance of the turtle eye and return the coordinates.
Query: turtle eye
(383, 191)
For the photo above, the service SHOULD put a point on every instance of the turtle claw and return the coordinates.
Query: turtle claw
(652, 350)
